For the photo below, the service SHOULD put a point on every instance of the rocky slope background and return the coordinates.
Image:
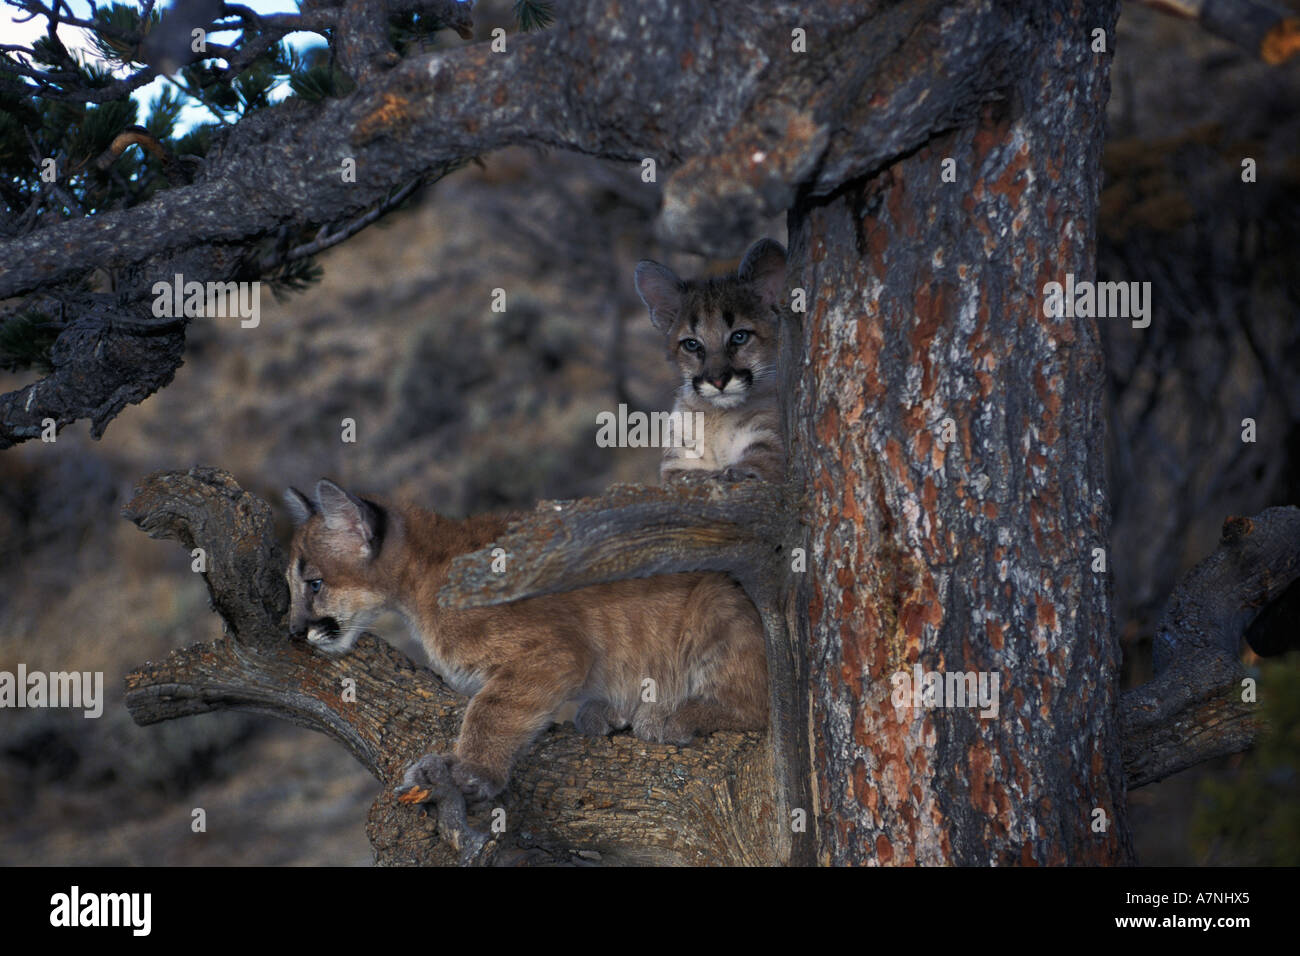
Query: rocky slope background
(466, 409)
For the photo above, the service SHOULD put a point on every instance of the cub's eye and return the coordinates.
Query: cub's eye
(315, 584)
(740, 336)
(691, 345)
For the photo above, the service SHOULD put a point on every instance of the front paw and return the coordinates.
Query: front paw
(434, 776)
(678, 729)
(737, 473)
(476, 781)
(427, 780)
(596, 718)
(432, 779)
(661, 728)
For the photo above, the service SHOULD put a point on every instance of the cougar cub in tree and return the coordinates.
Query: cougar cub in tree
(722, 334)
(670, 656)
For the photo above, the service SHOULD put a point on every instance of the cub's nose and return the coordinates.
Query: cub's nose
(719, 381)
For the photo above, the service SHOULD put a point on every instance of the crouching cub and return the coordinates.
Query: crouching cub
(696, 636)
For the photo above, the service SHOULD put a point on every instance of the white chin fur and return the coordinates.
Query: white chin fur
(725, 399)
(731, 396)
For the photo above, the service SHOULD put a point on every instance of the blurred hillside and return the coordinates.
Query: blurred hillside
(467, 409)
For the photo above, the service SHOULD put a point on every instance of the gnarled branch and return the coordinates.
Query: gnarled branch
(1192, 710)
(632, 531)
(436, 109)
(105, 360)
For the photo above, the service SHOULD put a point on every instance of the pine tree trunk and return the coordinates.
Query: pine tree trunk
(925, 315)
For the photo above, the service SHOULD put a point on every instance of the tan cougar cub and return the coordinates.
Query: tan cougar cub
(671, 656)
(722, 334)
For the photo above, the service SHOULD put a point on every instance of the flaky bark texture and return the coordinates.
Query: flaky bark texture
(972, 554)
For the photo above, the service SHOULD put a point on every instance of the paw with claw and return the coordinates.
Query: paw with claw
(442, 780)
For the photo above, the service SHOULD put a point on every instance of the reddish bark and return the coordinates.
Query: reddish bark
(975, 555)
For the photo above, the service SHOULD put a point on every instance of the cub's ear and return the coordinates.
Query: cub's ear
(346, 513)
(661, 291)
(299, 505)
(764, 268)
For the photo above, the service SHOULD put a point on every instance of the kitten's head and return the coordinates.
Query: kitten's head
(335, 586)
(722, 333)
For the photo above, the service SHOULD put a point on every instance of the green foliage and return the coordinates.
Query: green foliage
(196, 142)
(1254, 817)
(26, 339)
(122, 32)
(534, 14)
(164, 111)
(34, 127)
(293, 277)
(97, 128)
(16, 115)
(253, 87)
(320, 82)
(45, 116)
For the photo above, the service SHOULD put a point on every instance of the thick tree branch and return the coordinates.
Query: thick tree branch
(102, 362)
(325, 239)
(871, 88)
(1192, 710)
(115, 353)
(112, 354)
(244, 566)
(632, 531)
(438, 109)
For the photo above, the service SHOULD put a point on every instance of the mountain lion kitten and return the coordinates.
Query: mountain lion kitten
(696, 636)
(722, 333)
